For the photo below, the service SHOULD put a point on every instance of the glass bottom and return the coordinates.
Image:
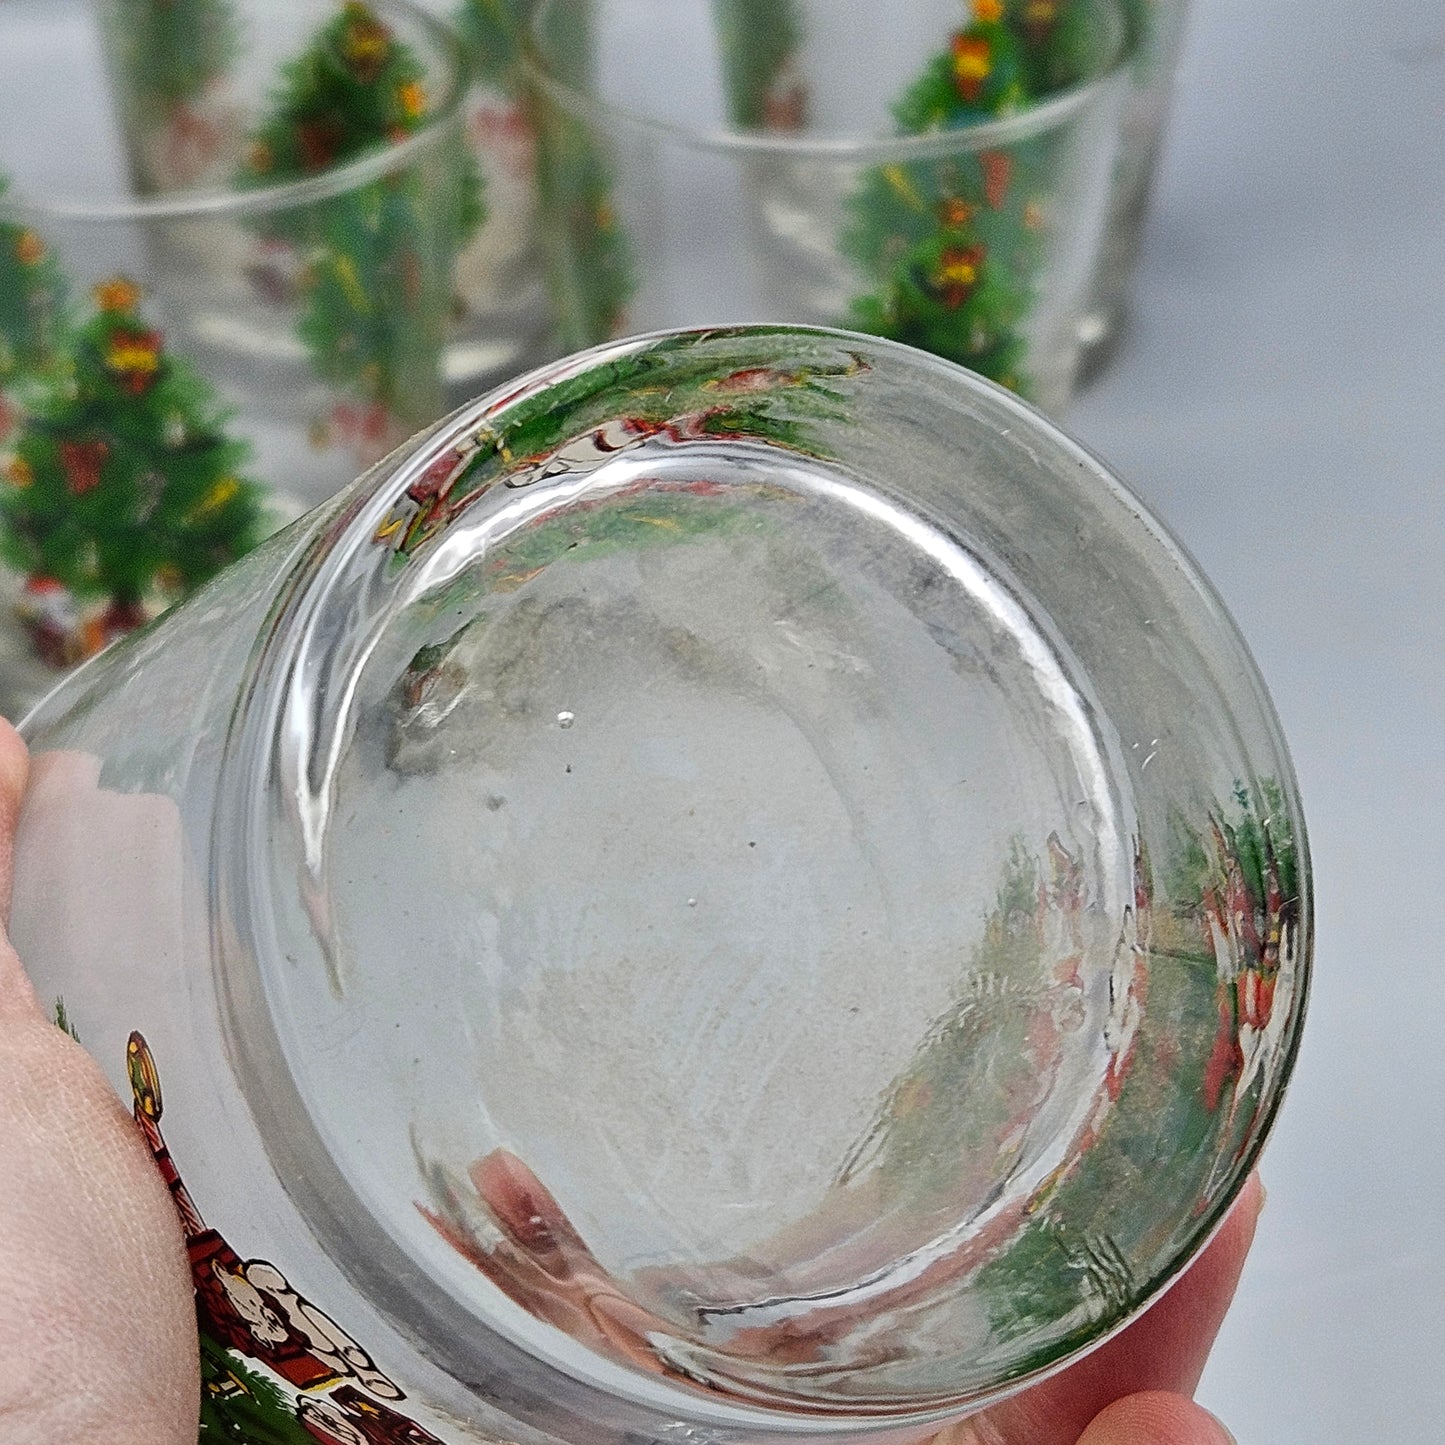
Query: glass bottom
(760, 820)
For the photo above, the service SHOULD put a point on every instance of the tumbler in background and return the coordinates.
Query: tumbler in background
(935, 173)
(207, 328)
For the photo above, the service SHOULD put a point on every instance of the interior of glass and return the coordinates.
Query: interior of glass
(725, 899)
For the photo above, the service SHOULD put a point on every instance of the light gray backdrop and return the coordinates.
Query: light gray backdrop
(1281, 402)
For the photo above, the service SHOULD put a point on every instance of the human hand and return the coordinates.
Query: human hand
(98, 1337)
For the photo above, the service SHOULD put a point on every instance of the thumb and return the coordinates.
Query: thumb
(1156, 1418)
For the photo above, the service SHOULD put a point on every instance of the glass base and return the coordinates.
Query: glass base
(1102, 332)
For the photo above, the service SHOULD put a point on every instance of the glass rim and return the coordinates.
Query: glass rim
(272, 728)
(26, 207)
(993, 133)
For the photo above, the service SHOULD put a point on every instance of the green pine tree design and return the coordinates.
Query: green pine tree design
(590, 257)
(353, 89)
(168, 52)
(677, 382)
(1093, 1237)
(364, 285)
(168, 63)
(240, 1406)
(492, 32)
(956, 243)
(33, 301)
(63, 1021)
(954, 246)
(124, 485)
(1117, 1204)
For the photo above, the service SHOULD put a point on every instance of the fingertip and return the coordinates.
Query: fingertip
(14, 770)
(1223, 1258)
(1253, 1196)
(1156, 1418)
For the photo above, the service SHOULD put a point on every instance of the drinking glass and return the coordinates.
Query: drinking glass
(175, 109)
(740, 889)
(1158, 37)
(927, 172)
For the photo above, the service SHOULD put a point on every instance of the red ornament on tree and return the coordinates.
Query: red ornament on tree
(82, 462)
(972, 64)
(133, 358)
(318, 141)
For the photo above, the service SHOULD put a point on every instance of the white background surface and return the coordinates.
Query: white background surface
(1281, 403)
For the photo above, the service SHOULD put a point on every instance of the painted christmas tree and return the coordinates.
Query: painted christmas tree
(240, 1406)
(355, 89)
(672, 391)
(957, 243)
(1217, 960)
(591, 261)
(172, 50)
(956, 253)
(124, 487)
(33, 296)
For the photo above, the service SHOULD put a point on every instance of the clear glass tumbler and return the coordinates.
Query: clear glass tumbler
(738, 890)
(177, 71)
(935, 173)
(197, 341)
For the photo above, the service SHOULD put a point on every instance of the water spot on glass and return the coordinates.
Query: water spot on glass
(566, 719)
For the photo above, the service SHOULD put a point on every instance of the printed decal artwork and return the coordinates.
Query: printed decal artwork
(274, 1366)
(951, 250)
(670, 393)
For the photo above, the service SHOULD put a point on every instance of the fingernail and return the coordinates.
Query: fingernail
(1263, 1200)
